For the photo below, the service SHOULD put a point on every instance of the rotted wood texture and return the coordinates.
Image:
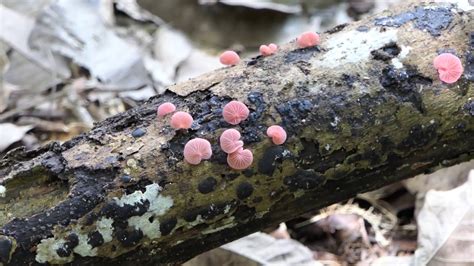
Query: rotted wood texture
(362, 110)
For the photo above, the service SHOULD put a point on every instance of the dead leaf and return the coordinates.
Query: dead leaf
(10, 133)
(445, 225)
(266, 250)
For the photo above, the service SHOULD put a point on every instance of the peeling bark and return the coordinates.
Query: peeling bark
(362, 110)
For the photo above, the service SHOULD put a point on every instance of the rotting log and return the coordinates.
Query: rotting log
(362, 110)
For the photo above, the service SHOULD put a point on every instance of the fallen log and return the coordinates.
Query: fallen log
(362, 110)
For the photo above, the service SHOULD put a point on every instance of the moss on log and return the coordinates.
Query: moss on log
(362, 110)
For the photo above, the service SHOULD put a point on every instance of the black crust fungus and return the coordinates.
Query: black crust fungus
(469, 108)
(166, 226)
(207, 185)
(208, 212)
(95, 239)
(387, 52)
(337, 28)
(402, 83)
(432, 20)
(304, 179)
(469, 65)
(54, 163)
(5, 249)
(271, 158)
(420, 136)
(244, 190)
(129, 237)
(302, 54)
(294, 111)
(116, 212)
(139, 132)
(256, 98)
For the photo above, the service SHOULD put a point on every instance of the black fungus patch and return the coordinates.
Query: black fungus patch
(139, 185)
(304, 179)
(207, 185)
(349, 80)
(6, 246)
(387, 52)
(301, 55)
(139, 132)
(95, 239)
(244, 190)
(337, 28)
(469, 65)
(230, 176)
(256, 98)
(469, 107)
(117, 212)
(129, 237)
(432, 20)
(126, 178)
(244, 213)
(420, 136)
(311, 157)
(72, 240)
(271, 158)
(403, 84)
(54, 164)
(251, 134)
(208, 212)
(294, 111)
(166, 226)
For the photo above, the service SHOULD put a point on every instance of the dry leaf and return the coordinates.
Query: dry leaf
(446, 226)
(10, 133)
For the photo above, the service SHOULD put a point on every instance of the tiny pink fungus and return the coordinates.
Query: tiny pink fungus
(449, 67)
(166, 108)
(181, 120)
(234, 112)
(308, 39)
(229, 58)
(230, 141)
(196, 150)
(273, 47)
(277, 133)
(240, 159)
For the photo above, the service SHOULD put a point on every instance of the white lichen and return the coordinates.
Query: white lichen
(353, 47)
(104, 227)
(83, 248)
(46, 251)
(3, 191)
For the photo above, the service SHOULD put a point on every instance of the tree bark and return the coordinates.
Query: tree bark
(364, 109)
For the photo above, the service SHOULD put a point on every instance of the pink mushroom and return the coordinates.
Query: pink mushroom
(196, 150)
(449, 67)
(308, 39)
(277, 133)
(230, 141)
(166, 108)
(229, 58)
(234, 112)
(181, 120)
(273, 47)
(240, 159)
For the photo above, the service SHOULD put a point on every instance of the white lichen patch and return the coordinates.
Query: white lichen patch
(159, 205)
(83, 248)
(3, 191)
(353, 47)
(104, 227)
(46, 251)
(404, 51)
(397, 63)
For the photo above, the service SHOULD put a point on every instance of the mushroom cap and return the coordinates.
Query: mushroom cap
(181, 120)
(265, 50)
(277, 133)
(308, 39)
(196, 150)
(229, 58)
(273, 47)
(230, 141)
(240, 159)
(234, 112)
(165, 108)
(449, 67)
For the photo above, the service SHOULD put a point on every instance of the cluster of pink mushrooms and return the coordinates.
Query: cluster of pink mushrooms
(449, 68)
(199, 149)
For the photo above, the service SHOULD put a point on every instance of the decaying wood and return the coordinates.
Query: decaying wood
(362, 110)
